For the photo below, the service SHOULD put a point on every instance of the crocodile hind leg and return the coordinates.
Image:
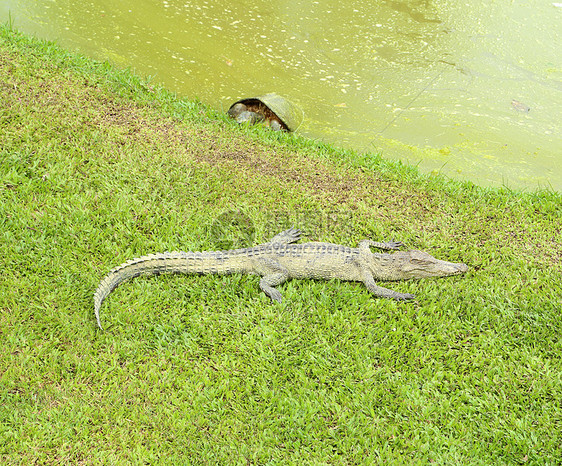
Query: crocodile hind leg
(292, 235)
(273, 274)
(388, 245)
(383, 292)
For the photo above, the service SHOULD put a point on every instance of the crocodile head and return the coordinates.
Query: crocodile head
(403, 265)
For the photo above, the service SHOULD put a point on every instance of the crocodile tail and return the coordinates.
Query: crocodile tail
(152, 264)
(170, 262)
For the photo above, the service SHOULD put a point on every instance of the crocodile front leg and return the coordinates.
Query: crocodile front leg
(381, 291)
(273, 274)
(365, 253)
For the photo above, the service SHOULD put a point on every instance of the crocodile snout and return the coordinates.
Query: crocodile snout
(462, 268)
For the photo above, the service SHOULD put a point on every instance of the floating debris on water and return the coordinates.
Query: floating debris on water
(520, 106)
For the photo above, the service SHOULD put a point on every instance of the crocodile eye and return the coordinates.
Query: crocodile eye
(419, 262)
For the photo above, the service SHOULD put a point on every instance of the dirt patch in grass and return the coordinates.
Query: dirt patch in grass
(78, 103)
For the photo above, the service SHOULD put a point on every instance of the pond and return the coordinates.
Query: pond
(473, 91)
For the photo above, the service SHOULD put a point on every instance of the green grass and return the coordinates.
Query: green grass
(98, 166)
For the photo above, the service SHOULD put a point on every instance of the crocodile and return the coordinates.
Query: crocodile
(280, 259)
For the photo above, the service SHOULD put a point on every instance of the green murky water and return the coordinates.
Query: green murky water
(470, 90)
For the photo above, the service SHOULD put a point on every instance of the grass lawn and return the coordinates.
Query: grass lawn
(98, 166)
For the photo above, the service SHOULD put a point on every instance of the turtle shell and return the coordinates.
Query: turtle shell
(276, 108)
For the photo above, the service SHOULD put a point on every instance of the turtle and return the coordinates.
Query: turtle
(275, 111)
